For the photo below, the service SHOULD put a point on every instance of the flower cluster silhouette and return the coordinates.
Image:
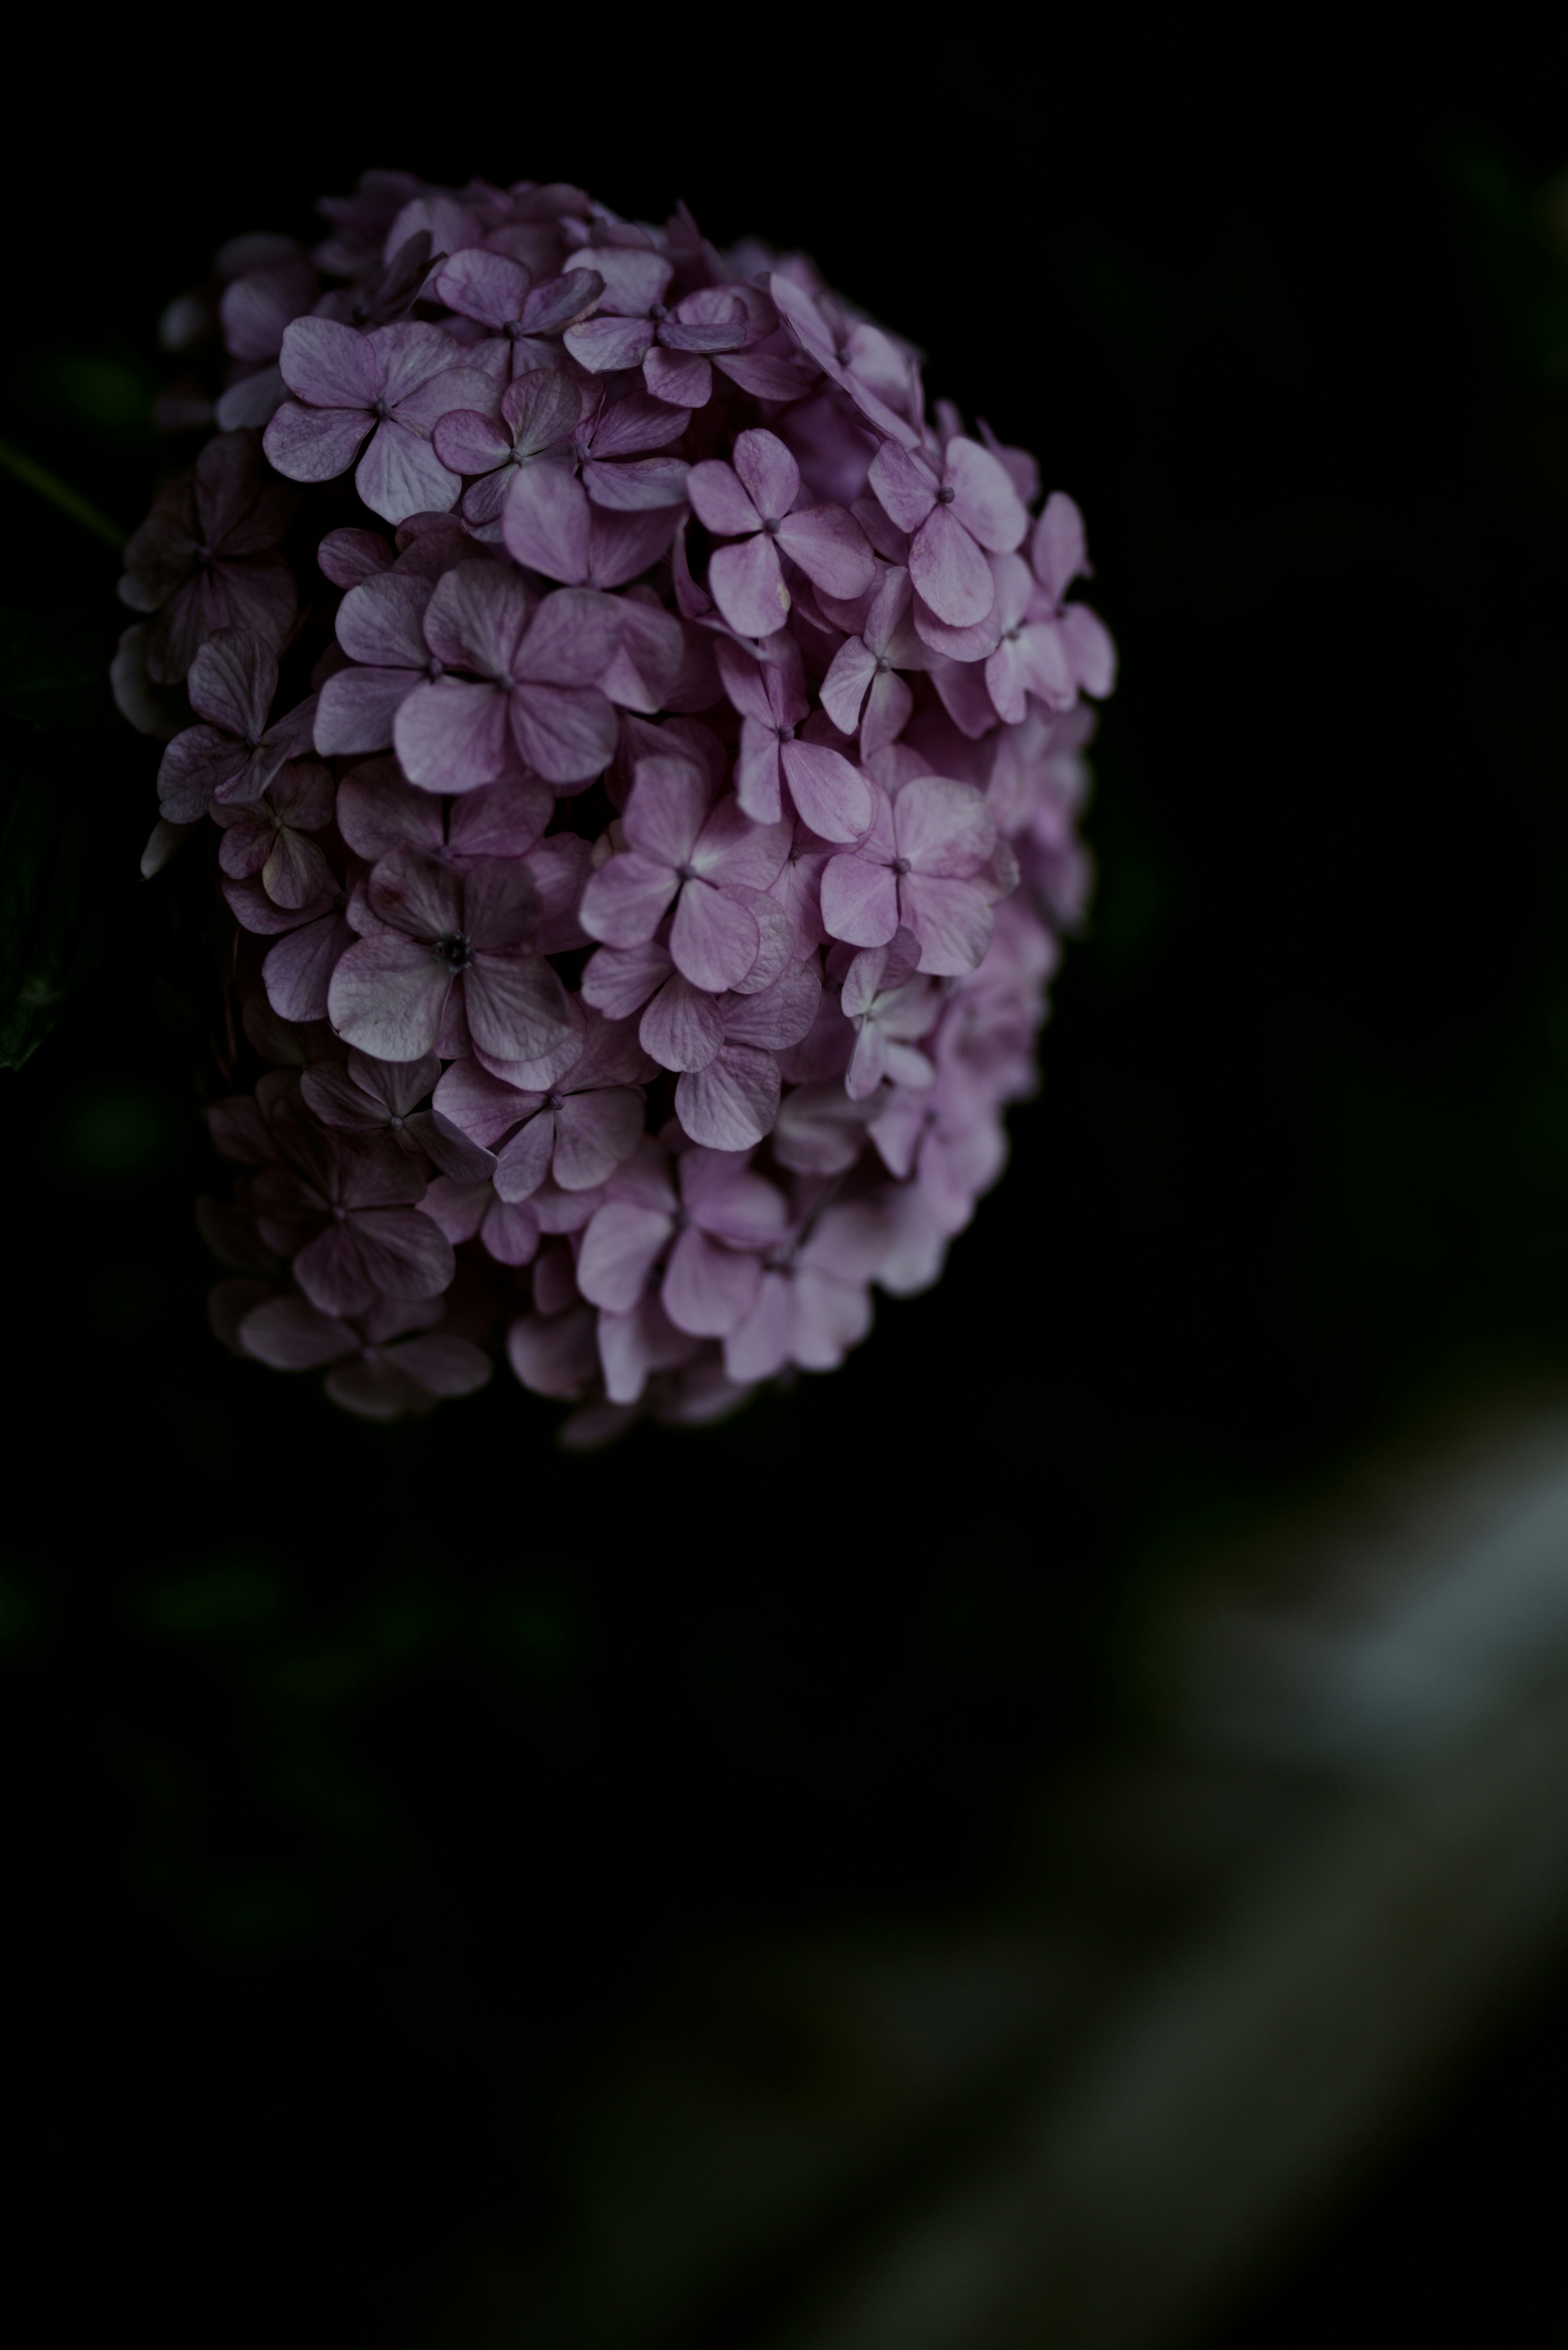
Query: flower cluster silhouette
(645, 750)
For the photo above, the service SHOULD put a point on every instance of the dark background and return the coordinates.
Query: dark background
(356, 1775)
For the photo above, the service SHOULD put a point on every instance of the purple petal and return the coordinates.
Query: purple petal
(298, 970)
(624, 900)
(718, 500)
(556, 1354)
(417, 894)
(634, 426)
(525, 1161)
(888, 708)
(768, 376)
(832, 797)
(830, 1316)
(452, 737)
(943, 828)
(648, 659)
(759, 1345)
(904, 486)
(757, 772)
(501, 903)
(378, 812)
(684, 379)
(194, 766)
(501, 819)
(831, 548)
(478, 617)
(666, 809)
(330, 1272)
(233, 680)
(619, 980)
(746, 583)
(707, 1290)
(595, 1133)
(545, 522)
(780, 1015)
(975, 642)
(1059, 554)
(637, 485)
(481, 1106)
(467, 443)
(291, 1335)
(714, 937)
(329, 365)
(767, 472)
(441, 1364)
(734, 1102)
(560, 302)
(952, 921)
(572, 639)
(606, 343)
(634, 1343)
(488, 286)
(510, 1232)
(386, 996)
(1092, 647)
(844, 689)
(733, 851)
(683, 1027)
(316, 444)
(985, 500)
(859, 901)
(404, 1254)
(622, 544)
(400, 475)
(567, 734)
(517, 1008)
(357, 709)
(950, 571)
(618, 1251)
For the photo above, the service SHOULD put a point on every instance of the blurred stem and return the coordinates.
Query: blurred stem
(60, 494)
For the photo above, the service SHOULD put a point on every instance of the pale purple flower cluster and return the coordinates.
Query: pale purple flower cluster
(644, 750)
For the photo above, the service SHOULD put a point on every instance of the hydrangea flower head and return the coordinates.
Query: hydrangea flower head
(639, 748)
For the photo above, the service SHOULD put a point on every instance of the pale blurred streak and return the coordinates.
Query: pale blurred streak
(1249, 1942)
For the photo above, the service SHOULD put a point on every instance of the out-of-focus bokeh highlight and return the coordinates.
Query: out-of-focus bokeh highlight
(1058, 1835)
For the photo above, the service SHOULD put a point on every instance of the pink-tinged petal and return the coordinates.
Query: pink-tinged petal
(767, 374)
(509, 1231)
(1004, 680)
(1059, 553)
(296, 873)
(619, 982)
(965, 695)
(619, 1248)
(757, 773)
(478, 616)
(288, 1334)
(572, 639)
(707, 1290)
(714, 937)
(952, 921)
(481, 1106)
(734, 1102)
(314, 445)
(943, 828)
(416, 894)
(832, 797)
(734, 852)
(468, 443)
(329, 365)
(408, 354)
(747, 682)
(298, 970)
(387, 995)
(332, 1094)
(233, 680)
(567, 734)
(831, 548)
(542, 408)
(780, 1015)
(830, 1316)
(1092, 647)
(867, 1063)
(447, 390)
(456, 1207)
(684, 379)
(516, 1006)
(560, 301)
(720, 502)
(904, 488)
(561, 867)
(555, 1355)
(634, 427)
(845, 687)
(759, 1346)
(503, 819)
(767, 472)
(606, 343)
(635, 277)
(441, 1364)
(330, 1272)
(950, 571)
(610, 1055)
(452, 737)
(636, 486)
(403, 1253)
(649, 659)
(523, 1166)
(488, 286)
(1042, 666)
(632, 1344)
(666, 809)
(501, 903)
(595, 1133)
(399, 474)
(859, 901)
(545, 522)
(985, 500)
(888, 708)
(622, 545)
(746, 583)
(357, 709)
(777, 948)
(683, 1027)
(378, 812)
(976, 642)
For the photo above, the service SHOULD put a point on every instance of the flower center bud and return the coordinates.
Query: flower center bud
(339, 1215)
(770, 528)
(455, 952)
(658, 313)
(785, 734)
(946, 496)
(397, 1125)
(901, 865)
(687, 872)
